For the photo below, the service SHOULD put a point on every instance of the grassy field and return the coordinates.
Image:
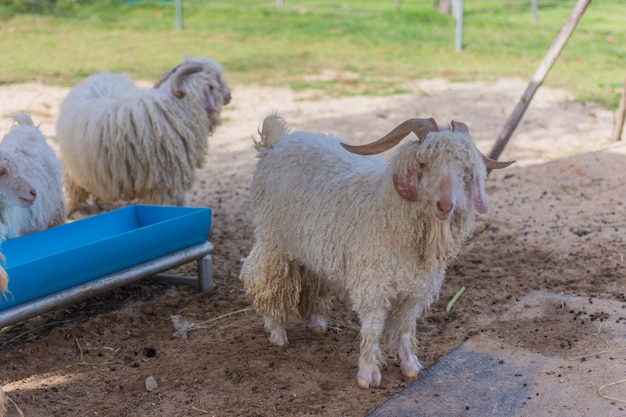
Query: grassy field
(380, 49)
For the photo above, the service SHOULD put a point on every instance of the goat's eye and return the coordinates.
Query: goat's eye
(3, 171)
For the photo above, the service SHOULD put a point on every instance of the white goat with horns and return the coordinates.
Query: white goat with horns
(383, 230)
(120, 142)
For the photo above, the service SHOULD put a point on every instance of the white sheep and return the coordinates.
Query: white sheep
(31, 185)
(382, 229)
(119, 142)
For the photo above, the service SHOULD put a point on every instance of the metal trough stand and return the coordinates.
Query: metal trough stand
(204, 282)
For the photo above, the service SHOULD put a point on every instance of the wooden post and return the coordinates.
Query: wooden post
(538, 77)
(620, 116)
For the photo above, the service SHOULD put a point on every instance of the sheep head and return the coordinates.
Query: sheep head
(442, 165)
(14, 189)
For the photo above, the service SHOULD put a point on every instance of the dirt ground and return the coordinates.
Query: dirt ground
(556, 223)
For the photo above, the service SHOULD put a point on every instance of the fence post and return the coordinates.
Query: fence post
(459, 25)
(620, 116)
(179, 14)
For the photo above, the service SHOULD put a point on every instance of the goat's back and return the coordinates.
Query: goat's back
(106, 85)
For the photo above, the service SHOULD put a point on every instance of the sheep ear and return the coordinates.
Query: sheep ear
(406, 185)
(480, 201)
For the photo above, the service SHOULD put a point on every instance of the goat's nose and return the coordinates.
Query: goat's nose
(445, 207)
(33, 192)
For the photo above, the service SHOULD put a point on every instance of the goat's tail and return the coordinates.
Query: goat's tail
(274, 129)
(22, 119)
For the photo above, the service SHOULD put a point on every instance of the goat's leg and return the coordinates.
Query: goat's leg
(274, 284)
(372, 326)
(278, 335)
(402, 328)
(409, 363)
(76, 195)
(314, 297)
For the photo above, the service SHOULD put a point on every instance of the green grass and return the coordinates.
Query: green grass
(259, 44)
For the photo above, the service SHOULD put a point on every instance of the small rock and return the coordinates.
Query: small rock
(151, 384)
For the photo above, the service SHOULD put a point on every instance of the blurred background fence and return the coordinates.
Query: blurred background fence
(496, 15)
(496, 18)
(500, 37)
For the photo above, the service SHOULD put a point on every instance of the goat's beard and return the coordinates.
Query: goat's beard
(440, 242)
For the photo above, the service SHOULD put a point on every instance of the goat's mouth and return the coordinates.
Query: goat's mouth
(26, 202)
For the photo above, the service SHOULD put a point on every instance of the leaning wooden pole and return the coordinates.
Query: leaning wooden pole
(540, 75)
(620, 116)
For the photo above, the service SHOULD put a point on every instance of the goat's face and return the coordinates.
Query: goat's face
(445, 171)
(443, 168)
(14, 189)
(215, 87)
(217, 91)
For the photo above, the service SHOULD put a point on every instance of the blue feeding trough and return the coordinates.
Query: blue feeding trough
(80, 259)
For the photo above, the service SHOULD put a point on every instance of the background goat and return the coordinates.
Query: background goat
(31, 187)
(120, 142)
(384, 230)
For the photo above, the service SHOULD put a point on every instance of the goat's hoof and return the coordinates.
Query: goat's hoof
(410, 373)
(409, 364)
(279, 338)
(413, 370)
(317, 330)
(369, 380)
(363, 383)
(317, 324)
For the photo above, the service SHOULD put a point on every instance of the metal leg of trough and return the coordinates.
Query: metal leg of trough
(204, 280)
(205, 274)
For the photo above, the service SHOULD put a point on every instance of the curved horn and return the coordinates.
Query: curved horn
(489, 163)
(421, 128)
(493, 164)
(164, 77)
(459, 127)
(185, 69)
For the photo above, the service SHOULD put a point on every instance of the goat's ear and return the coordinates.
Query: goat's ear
(480, 201)
(406, 185)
